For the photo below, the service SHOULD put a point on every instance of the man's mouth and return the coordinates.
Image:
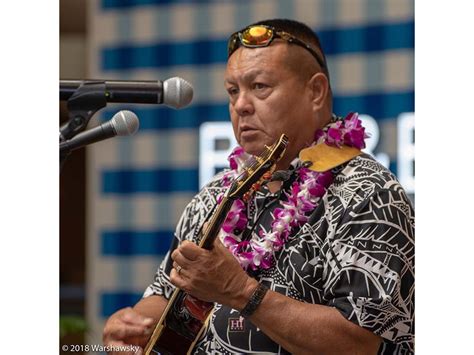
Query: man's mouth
(247, 129)
(248, 132)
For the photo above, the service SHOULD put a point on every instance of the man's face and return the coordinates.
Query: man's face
(268, 98)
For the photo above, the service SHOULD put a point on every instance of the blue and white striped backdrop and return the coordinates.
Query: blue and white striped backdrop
(138, 186)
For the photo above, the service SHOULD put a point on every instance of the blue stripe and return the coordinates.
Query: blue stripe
(132, 242)
(379, 106)
(162, 118)
(164, 55)
(118, 182)
(376, 105)
(110, 302)
(124, 4)
(154, 180)
(393, 166)
(369, 38)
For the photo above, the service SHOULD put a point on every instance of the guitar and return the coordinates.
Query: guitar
(185, 317)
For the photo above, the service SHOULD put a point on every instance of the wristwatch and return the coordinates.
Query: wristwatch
(254, 301)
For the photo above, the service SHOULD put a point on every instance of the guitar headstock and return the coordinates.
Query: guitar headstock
(257, 169)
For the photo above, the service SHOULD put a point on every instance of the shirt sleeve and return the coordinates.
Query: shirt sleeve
(370, 266)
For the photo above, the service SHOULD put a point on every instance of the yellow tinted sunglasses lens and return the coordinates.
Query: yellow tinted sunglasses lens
(257, 36)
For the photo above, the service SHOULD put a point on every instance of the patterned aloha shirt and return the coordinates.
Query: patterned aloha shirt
(355, 253)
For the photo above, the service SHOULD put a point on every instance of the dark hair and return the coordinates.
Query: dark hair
(299, 30)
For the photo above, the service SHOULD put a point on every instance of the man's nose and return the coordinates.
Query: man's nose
(244, 105)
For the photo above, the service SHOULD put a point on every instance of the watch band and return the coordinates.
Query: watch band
(254, 301)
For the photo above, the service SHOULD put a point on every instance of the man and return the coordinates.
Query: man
(342, 280)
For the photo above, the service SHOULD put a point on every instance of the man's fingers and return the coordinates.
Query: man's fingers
(190, 250)
(187, 253)
(122, 331)
(179, 259)
(177, 280)
(134, 318)
(218, 243)
(179, 269)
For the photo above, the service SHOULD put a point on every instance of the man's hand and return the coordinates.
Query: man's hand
(211, 275)
(127, 327)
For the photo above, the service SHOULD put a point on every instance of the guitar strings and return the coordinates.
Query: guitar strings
(253, 162)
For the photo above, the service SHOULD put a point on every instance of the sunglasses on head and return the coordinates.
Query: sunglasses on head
(261, 36)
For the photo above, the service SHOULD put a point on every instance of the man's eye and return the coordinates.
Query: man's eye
(259, 86)
(232, 91)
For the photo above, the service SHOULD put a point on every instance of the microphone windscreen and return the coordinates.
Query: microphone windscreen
(125, 123)
(177, 92)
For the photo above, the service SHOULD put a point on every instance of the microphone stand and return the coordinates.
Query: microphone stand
(89, 97)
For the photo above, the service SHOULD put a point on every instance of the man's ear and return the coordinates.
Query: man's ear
(319, 88)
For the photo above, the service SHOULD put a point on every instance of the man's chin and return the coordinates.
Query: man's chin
(254, 144)
(253, 149)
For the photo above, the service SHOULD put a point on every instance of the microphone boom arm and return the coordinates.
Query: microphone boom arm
(87, 99)
(82, 104)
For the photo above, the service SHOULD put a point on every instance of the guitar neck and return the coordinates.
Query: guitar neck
(215, 223)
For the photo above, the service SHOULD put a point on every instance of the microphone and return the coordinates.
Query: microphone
(124, 123)
(174, 92)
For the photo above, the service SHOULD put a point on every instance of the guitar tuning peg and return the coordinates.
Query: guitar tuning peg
(256, 186)
(267, 175)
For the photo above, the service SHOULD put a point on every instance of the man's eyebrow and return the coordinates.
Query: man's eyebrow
(229, 81)
(251, 74)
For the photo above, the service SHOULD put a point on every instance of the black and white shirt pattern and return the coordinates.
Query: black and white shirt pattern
(355, 253)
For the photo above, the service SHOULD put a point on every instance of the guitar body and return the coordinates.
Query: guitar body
(183, 324)
(185, 317)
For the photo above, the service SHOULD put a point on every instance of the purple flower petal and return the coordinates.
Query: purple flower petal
(334, 137)
(244, 245)
(351, 117)
(266, 263)
(326, 178)
(318, 135)
(355, 138)
(318, 191)
(237, 153)
(228, 241)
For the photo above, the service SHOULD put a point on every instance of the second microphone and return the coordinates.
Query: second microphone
(124, 123)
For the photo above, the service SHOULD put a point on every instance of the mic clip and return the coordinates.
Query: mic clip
(83, 103)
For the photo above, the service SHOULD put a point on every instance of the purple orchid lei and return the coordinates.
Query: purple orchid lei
(303, 197)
